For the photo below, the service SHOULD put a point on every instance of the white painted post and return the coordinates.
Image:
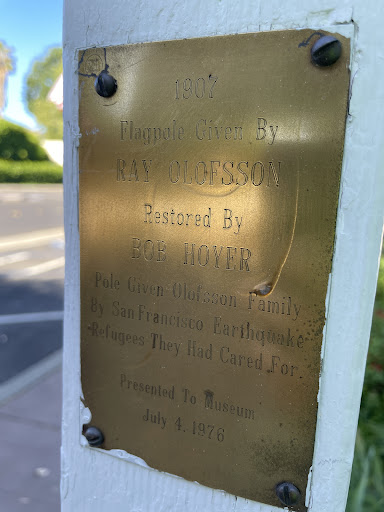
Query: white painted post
(95, 481)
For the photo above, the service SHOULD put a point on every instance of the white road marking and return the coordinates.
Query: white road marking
(12, 197)
(57, 243)
(35, 270)
(31, 239)
(25, 188)
(26, 318)
(8, 259)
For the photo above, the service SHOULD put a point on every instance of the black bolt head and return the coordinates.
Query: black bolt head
(105, 85)
(94, 436)
(287, 493)
(326, 51)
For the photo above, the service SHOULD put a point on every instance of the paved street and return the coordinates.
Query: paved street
(31, 304)
(31, 275)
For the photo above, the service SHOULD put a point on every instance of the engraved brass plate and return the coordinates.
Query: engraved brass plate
(209, 185)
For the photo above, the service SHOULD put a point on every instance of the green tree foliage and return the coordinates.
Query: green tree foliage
(17, 143)
(43, 75)
(6, 57)
(6, 67)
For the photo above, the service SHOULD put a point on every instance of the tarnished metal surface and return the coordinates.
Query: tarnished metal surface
(208, 195)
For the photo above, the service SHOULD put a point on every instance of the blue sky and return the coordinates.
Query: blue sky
(30, 27)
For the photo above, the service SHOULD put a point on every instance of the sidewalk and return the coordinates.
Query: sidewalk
(30, 447)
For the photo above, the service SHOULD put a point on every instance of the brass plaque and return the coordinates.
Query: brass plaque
(209, 185)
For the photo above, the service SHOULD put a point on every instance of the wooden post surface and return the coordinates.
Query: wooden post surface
(93, 481)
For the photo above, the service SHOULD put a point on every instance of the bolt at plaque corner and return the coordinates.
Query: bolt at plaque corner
(94, 436)
(326, 51)
(288, 493)
(105, 85)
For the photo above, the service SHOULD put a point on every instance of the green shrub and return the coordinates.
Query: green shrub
(372, 403)
(17, 143)
(366, 492)
(30, 172)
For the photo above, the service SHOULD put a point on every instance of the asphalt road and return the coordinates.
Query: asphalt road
(31, 275)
